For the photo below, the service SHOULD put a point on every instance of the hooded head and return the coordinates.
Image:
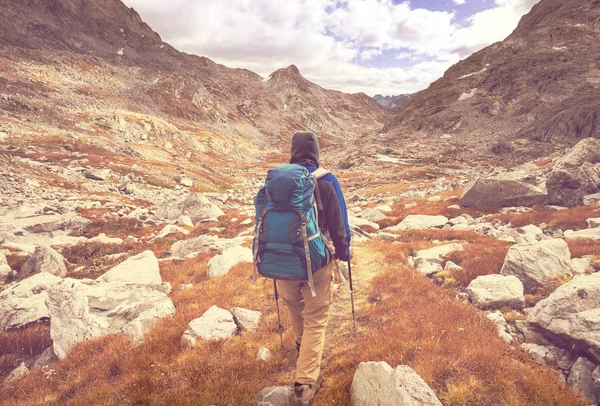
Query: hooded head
(305, 149)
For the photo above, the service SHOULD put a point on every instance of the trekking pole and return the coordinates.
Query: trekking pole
(278, 313)
(351, 293)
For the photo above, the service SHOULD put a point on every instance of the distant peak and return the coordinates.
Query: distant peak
(291, 71)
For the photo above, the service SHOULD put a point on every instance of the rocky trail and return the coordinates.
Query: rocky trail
(443, 283)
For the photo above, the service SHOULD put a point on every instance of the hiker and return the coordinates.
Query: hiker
(309, 301)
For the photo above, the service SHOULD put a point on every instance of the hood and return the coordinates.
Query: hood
(305, 149)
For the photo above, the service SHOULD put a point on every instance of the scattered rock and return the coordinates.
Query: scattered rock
(141, 269)
(185, 221)
(537, 263)
(496, 291)
(195, 206)
(246, 319)
(44, 259)
(590, 233)
(372, 215)
(383, 209)
(568, 186)
(184, 181)
(378, 384)
(204, 243)
(103, 239)
(356, 222)
(548, 354)
(580, 378)
(593, 222)
(275, 396)
(419, 222)
(591, 200)
(214, 324)
(97, 174)
(264, 354)
(171, 229)
(222, 263)
(20, 372)
(571, 315)
(81, 311)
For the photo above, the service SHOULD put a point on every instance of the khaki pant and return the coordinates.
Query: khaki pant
(309, 320)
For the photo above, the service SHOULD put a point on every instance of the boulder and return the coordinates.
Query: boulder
(378, 384)
(51, 223)
(139, 269)
(593, 222)
(356, 222)
(102, 238)
(275, 396)
(222, 263)
(568, 186)
(383, 208)
(570, 316)
(170, 229)
(580, 378)
(501, 325)
(437, 254)
(581, 266)
(204, 243)
(548, 354)
(591, 200)
(19, 372)
(24, 302)
(420, 222)
(586, 150)
(214, 324)
(195, 206)
(498, 192)
(44, 259)
(496, 291)
(246, 319)
(184, 181)
(185, 221)
(590, 233)
(537, 263)
(81, 312)
(372, 215)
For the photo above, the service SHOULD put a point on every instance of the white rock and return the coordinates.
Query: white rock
(454, 207)
(451, 266)
(81, 312)
(184, 181)
(103, 239)
(434, 199)
(548, 354)
(531, 233)
(222, 263)
(264, 354)
(359, 222)
(215, 324)
(419, 222)
(24, 302)
(537, 263)
(438, 253)
(185, 221)
(170, 229)
(205, 243)
(590, 233)
(196, 206)
(275, 396)
(593, 222)
(581, 266)
(383, 209)
(44, 259)
(28, 248)
(20, 372)
(496, 291)
(428, 268)
(246, 319)
(591, 200)
(410, 205)
(141, 269)
(571, 314)
(372, 215)
(378, 384)
(247, 221)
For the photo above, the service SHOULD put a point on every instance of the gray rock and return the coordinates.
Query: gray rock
(97, 174)
(571, 315)
(496, 291)
(195, 206)
(372, 215)
(568, 186)
(593, 222)
(20, 372)
(420, 222)
(275, 396)
(264, 354)
(24, 302)
(205, 243)
(591, 200)
(45, 358)
(498, 192)
(586, 150)
(378, 384)
(596, 382)
(246, 319)
(139, 269)
(81, 311)
(184, 181)
(44, 259)
(548, 354)
(214, 324)
(537, 263)
(222, 263)
(590, 233)
(580, 378)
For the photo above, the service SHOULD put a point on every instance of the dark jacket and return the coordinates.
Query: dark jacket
(334, 219)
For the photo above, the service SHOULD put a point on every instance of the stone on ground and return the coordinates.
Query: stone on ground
(246, 319)
(44, 259)
(383, 208)
(378, 384)
(437, 254)
(275, 396)
(214, 324)
(81, 312)
(195, 206)
(24, 302)
(264, 354)
(593, 222)
(590, 233)
(591, 200)
(502, 193)
(538, 263)
(548, 354)
(570, 316)
(185, 221)
(420, 222)
(372, 215)
(357, 222)
(580, 378)
(222, 263)
(19, 372)
(204, 243)
(170, 229)
(568, 186)
(496, 291)
(142, 269)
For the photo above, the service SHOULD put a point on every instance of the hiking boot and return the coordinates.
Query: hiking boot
(304, 395)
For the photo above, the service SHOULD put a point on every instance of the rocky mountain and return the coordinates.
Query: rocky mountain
(399, 101)
(540, 84)
(80, 68)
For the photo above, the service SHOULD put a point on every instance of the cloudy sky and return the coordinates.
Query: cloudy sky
(371, 46)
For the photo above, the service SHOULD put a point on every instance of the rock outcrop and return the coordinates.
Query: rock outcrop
(222, 263)
(139, 269)
(214, 324)
(44, 259)
(195, 206)
(496, 291)
(499, 192)
(420, 222)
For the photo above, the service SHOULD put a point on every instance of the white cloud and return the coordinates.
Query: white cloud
(460, 1)
(330, 39)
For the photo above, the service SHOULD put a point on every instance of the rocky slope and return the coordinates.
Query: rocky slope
(540, 84)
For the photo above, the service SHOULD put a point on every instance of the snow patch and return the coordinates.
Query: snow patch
(559, 48)
(466, 96)
(120, 52)
(473, 74)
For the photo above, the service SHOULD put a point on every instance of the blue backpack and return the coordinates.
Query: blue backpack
(288, 244)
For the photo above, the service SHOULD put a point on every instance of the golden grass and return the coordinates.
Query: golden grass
(16, 345)
(403, 319)
(563, 219)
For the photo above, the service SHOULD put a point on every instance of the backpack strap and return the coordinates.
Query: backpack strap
(311, 283)
(316, 175)
(256, 242)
